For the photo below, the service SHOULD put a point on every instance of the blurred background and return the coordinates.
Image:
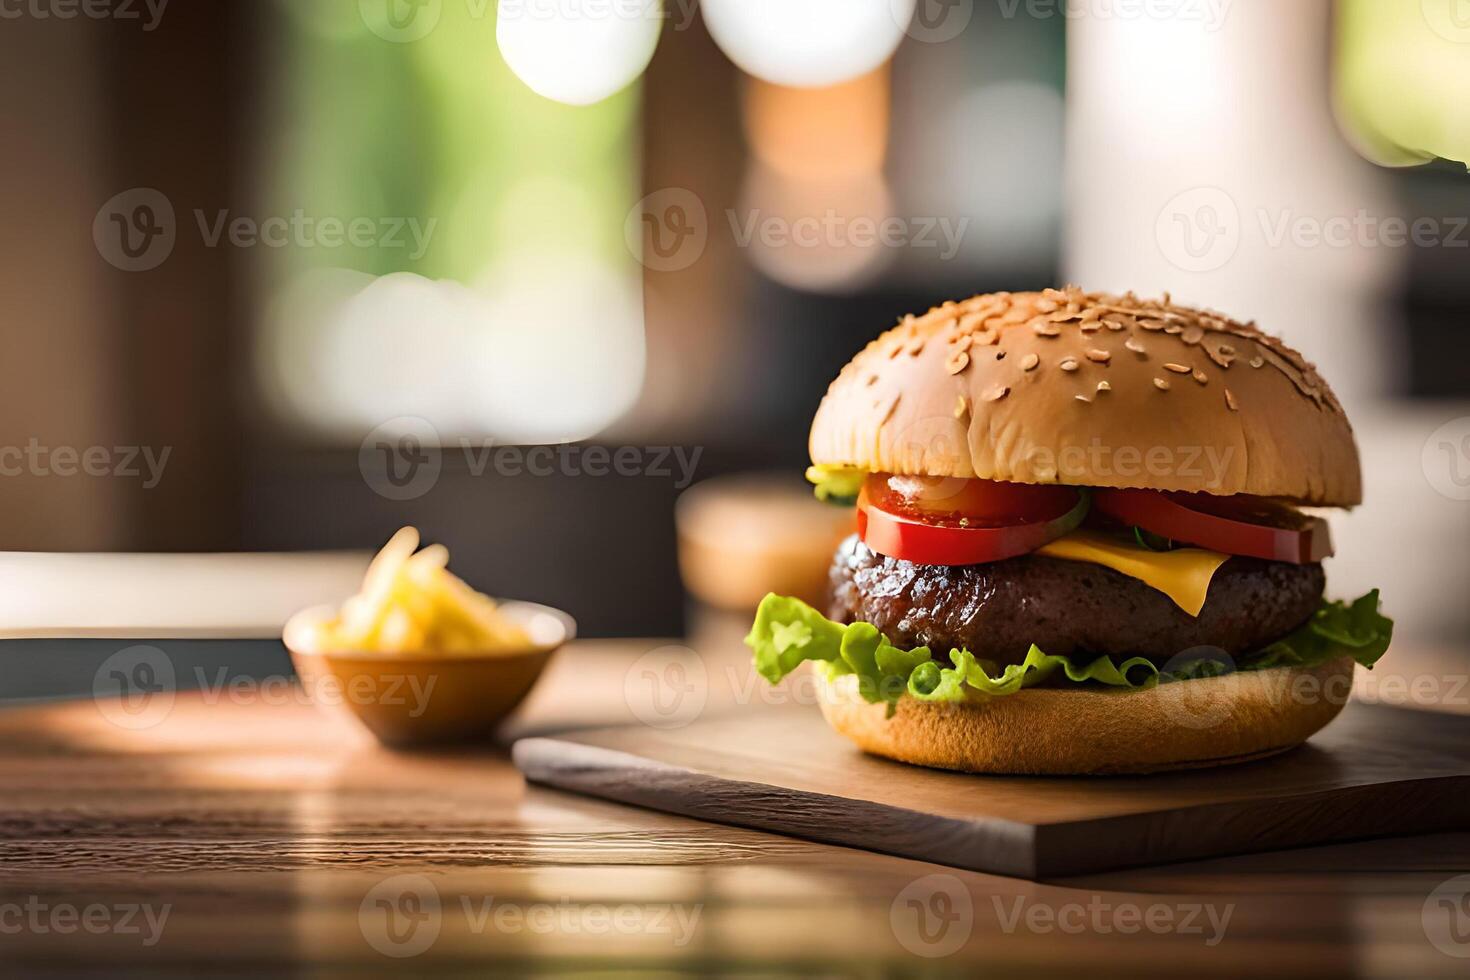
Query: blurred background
(299, 272)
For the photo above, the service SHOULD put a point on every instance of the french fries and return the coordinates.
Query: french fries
(411, 604)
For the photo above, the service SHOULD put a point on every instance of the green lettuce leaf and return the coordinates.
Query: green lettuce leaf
(1337, 629)
(836, 484)
(788, 632)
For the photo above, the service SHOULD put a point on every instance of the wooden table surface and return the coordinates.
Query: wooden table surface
(247, 829)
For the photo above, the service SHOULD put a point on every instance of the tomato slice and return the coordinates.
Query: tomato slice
(949, 537)
(967, 503)
(1238, 525)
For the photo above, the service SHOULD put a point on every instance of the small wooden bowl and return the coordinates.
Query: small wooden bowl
(418, 699)
(745, 535)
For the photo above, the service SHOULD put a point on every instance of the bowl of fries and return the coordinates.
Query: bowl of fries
(417, 655)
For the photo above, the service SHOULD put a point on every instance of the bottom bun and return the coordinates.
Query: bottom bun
(1050, 731)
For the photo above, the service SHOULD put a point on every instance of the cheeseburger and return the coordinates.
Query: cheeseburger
(1082, 543)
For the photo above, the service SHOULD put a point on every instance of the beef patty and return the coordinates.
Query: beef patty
(997, 610)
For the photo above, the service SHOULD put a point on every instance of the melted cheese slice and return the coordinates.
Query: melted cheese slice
(1183, 575)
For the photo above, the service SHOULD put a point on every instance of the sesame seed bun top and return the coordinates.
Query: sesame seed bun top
(1090, 389)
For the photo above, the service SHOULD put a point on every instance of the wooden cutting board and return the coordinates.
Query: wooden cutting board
(1375, 771)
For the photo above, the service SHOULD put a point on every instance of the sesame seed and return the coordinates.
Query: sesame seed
(958, 362)
(996, 394)
(1201, 377)
(961, 406)
(1101, 356)
(1257, 361)
(1083, 398)
(1069, 364)
(1104, 386)
(1177, 368)
(1161, 384)
(1230, 401)
(886, 409)
(1133, 345)
(1029, 362)
(1221, 357)
(1192, 334)
(1151, 324)
(1046, 329)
